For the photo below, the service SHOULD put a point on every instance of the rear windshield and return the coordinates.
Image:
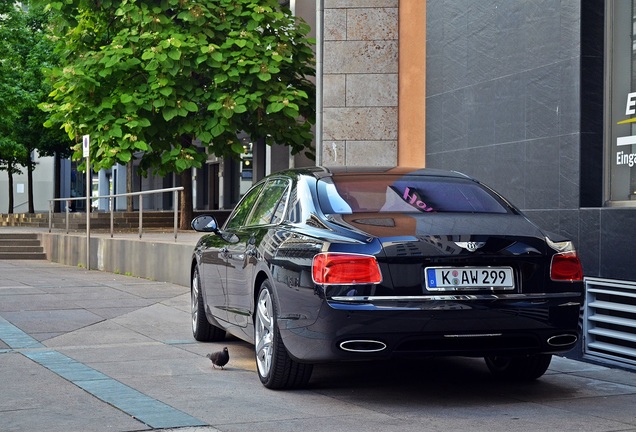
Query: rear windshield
(405, 194)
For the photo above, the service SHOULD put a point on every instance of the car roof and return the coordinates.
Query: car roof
(324, 171)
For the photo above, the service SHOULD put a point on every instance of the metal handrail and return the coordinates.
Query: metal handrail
(175, 190)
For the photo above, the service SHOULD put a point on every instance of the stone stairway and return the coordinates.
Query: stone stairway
(21, 246)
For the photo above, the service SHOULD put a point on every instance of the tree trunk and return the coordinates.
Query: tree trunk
(10, 175)
(259, 159)
(185, 203)
(30, 186)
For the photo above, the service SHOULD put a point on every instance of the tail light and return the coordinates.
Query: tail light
(566, 267)
(345, 269)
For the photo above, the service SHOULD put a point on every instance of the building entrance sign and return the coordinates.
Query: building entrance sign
(621, 97)
(627, 157)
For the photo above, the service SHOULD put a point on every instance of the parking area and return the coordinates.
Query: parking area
(88, 350)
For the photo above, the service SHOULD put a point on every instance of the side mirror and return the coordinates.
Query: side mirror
(205, 223)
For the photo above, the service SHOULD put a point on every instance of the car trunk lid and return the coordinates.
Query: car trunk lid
(459, 245)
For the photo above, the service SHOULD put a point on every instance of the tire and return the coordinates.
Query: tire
(202, 330)
(523, 368)
(276, 369)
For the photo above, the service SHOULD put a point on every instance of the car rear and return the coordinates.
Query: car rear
(460, 271)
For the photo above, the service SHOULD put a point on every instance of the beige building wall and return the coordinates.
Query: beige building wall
(360, 83)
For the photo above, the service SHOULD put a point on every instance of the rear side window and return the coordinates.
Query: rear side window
(243, 208)
(271, 204)
(406, 194)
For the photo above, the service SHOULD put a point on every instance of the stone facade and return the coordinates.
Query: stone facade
(360, 79)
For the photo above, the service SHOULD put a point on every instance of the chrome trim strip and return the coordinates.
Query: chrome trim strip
(473, 335)
(453, 297)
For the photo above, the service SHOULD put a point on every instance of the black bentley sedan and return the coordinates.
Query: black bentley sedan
(320, 265)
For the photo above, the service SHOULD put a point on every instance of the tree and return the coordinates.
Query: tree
(25, 51)
(29, 128)
(147, 78)
(30, 133)
(10, 151)
(12, 155)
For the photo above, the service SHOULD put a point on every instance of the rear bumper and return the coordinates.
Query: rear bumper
(350, 329)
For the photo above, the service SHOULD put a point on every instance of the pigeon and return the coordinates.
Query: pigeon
(219, 358)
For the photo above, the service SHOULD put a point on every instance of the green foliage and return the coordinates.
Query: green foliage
(12, 155)
(24, 51)
(144, 78)
(12, 94)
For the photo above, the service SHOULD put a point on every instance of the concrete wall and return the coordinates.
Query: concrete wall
(167, 262)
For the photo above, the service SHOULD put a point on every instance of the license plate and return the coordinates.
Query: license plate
(469, 278)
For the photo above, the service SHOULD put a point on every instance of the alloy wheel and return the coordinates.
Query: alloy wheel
(195, 300)
(264, 333)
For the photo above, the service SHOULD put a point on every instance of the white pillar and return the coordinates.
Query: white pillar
(103, 189)
(119, 186)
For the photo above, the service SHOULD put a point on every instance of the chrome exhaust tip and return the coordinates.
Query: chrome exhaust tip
(562, 340)
(362, 346)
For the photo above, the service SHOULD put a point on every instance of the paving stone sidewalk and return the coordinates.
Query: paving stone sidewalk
(93, 351)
